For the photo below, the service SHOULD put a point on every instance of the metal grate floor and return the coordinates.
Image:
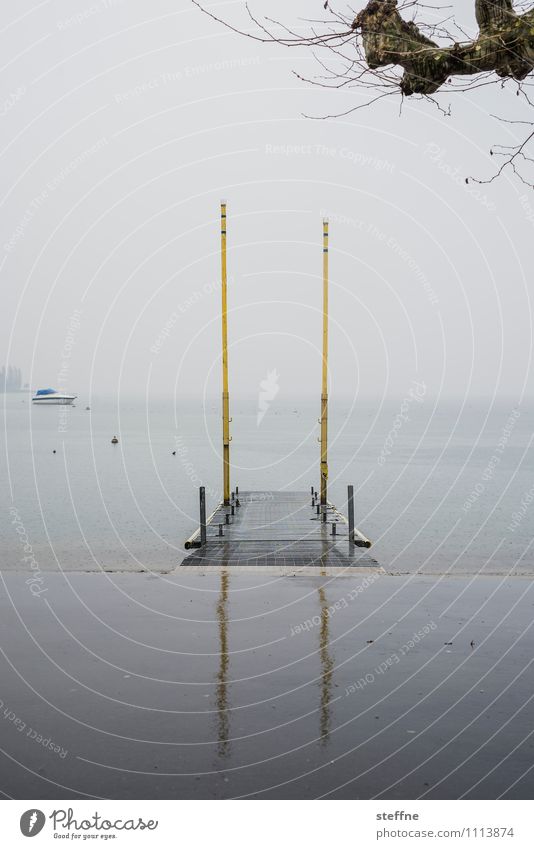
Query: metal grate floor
(280, 530)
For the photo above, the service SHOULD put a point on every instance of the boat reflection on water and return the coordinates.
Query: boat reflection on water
(221, 692)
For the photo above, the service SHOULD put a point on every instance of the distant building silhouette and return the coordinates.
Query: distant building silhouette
(10, 379)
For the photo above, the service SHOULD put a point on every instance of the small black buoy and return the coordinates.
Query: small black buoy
(54, 451)
(174, 453)
(114, 441)
(88, 408)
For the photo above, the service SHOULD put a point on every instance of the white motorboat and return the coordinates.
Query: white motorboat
(50, 396)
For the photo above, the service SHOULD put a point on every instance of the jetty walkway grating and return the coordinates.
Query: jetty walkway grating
(280, 531)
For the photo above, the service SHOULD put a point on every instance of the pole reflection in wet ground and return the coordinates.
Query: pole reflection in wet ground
(327, 669)
(221, 693)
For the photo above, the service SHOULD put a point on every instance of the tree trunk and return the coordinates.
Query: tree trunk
(505, 45)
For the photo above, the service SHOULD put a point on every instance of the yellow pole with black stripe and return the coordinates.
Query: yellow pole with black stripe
(225, 392)
(324, 388)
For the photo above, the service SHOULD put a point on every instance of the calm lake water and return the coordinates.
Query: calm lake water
(440, 487)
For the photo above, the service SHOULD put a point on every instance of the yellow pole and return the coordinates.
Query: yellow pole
(225, 393)
(324, 389)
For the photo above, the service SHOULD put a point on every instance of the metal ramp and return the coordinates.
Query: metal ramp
(268, 530)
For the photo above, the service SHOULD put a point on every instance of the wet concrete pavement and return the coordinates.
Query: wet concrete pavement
(255, 685)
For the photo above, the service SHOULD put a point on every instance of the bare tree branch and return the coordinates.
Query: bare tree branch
(388, 48)
(505, 45)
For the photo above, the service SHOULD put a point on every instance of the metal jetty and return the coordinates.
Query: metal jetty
(283, 531)
(276, 531)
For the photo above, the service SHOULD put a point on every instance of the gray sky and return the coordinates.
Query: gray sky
(124, 123)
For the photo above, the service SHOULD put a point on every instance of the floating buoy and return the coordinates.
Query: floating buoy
(114, 441)
(88, 408)
(174, 453)
(54, 451)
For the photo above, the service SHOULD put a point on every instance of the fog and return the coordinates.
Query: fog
(125, 123)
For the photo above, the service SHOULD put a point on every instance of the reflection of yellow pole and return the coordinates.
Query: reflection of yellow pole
(324, 389)
(223, 715)
(327, 668)
(225, 394)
